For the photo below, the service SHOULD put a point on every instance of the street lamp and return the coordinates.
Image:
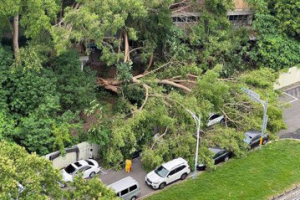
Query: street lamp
(198, 122)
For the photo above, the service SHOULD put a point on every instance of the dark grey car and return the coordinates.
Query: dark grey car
(252, 138)
(219, 155)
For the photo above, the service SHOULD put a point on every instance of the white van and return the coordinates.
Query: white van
(126, 188)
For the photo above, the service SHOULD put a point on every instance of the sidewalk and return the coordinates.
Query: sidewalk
(293, 194)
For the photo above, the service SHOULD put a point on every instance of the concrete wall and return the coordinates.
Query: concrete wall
(288, 78)
(81, 153)
(84, 149)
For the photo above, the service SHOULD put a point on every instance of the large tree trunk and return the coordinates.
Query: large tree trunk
(126, 42)
(16, 39)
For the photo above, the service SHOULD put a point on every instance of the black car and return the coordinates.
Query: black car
(220, 155)
(252, 138)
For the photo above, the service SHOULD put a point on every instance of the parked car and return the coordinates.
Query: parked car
(167, 173)
(126, 188)
(252, 138)
(215, 119)
(219, 155)
(89, 168)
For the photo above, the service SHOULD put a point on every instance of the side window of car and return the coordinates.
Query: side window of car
(256, 138)
(132, 188)
(87, 168)
(123, 192)
(180, 168)
(82, 169)
(219, 154)
(214, 117)
(173, 172)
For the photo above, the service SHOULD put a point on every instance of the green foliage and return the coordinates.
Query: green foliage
(287, 13)
(124, 72)
(77, 88)
(40, 179)
(219, 43)
(29, 90)
(276, 52)
(37, 105)
(122, 106)
(278, 28)
(263, 78)
(219, 7)
(36, 15)
(210, 91)
(39, 108)
(37, 175)
(93, 21)
(175, 48)
(90, 189)
(134, 93)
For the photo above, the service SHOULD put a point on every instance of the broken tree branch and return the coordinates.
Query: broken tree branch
(157, 139)
(168, 82)
(147, 95)
(150, 63)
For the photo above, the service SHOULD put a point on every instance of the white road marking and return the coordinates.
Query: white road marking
(294, 98)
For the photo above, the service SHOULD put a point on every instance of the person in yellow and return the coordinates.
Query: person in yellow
(128, 164)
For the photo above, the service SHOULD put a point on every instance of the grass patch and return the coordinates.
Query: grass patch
(263, 173)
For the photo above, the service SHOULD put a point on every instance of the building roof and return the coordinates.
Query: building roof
(169, 165)
(123, 184)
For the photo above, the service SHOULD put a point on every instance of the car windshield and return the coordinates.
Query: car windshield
(247, 140)
(161, 171)
(70, 169)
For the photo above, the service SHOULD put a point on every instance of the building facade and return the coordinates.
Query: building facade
(186, 13)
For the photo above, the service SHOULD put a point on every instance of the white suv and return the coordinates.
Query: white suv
(168, 173)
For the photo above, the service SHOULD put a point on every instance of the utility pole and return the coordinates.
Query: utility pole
(198, 123)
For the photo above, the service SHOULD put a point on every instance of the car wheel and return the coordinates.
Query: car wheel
(133, 198)
(226, 158)
(264, 142)
(92, 174)
(162, 186)
(183, 176)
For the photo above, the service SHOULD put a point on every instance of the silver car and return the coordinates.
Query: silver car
(126, 188)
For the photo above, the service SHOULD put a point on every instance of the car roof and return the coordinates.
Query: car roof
(83, 162)
(215, 150)
(252, 133)
(169, 165)
(123, 184)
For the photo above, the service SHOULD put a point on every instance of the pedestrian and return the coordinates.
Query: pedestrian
(91, 156)
(128, 164)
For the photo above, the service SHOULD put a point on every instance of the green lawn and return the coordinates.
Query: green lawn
(264, 173)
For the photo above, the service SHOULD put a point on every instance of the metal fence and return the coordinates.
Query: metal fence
(77, 152)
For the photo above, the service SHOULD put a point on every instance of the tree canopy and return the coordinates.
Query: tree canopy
(148, 73)
(28, 176)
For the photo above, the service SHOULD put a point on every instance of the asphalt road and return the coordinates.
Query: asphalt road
(291, 114)
(137, 172)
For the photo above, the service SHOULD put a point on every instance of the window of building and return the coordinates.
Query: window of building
(240, 20)
(183, 19)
